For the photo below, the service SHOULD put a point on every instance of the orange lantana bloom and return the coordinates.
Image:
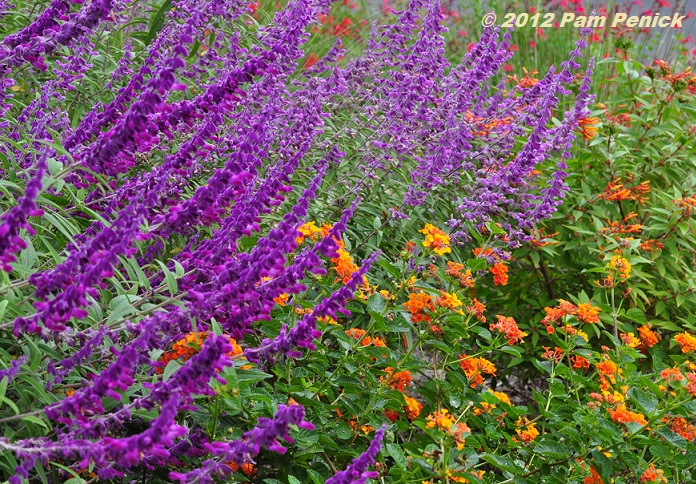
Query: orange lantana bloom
(593, 478)
(417, 304)
(188, 346)
(399, 380)
(448, 300)
(527, 431)
(413, 407)
(686, 341)
(587, 313)
(653, 475)
(624, 415)
(436, 239)
(681, 426)
(475, 368)
(508, 327)
(477, 308)
(648, 336)
(456, 269)
(500, 276)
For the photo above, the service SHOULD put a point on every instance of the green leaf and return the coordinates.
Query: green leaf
(158, 21)
(252, 375)
(602, 465)
(35, 420)
(315, 476)
(447, 349)
(635, 314)
(646, 402)
(674, 439)
(502, 462)
(10, 404)
(170, 369)
(3, 306)
(121, 307)
(398, 455)
(376, 303)
(178, 269)
(553, 450)
(169, 278)
(343, 431)
(477, 264)
(661, 450)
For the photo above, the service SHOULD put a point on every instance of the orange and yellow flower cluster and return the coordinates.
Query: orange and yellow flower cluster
(508, 327)
(616, 191)
(686, 341)
(436, 239)
(653, 475)
(188, 346)
(623, 415)
(474, 369)
(588, 127)
(485, 407)
(526, 430)
(584, 312)
(446, 422)
(687, 205)
(455, 269)
(498, 269)
(359, 334)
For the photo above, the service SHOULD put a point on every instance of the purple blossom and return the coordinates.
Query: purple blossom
(12, 371)
(15, 219)
(302, 335)
(356, 472)
(34, 48)
(264, 436)
(47, 20)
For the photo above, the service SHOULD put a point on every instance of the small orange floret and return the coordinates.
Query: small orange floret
(630, 340)
(593, 478)
(500, 276)
(588, 127)
(681, 426)
(475, 368)
(671, 374)
(555, 354)
(477, 309)
(413, 407)
(648, 336)
(344, 266)
(458, 270)
(436, 239)
(399, 380)
(623, 415)
(448, 300)
(417, 304)
(508, 327)
(443, 420)
(686, 341)
(653, 475)
(579, 362)
(527, 430)
(188, 346)
(616, 191)
(587, 313)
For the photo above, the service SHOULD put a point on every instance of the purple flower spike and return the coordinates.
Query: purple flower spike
(356, 472)
(264, 436)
